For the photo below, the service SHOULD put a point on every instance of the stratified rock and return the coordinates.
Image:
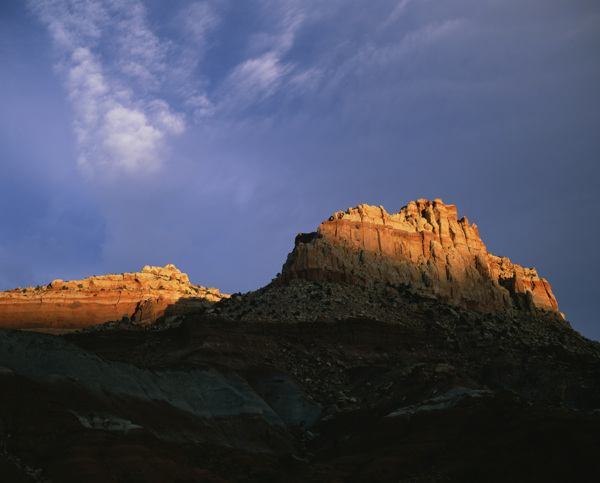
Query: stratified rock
(424, 246)
(144, 297)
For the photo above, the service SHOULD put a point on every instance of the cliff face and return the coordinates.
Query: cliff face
(426, 246)
(144, 297)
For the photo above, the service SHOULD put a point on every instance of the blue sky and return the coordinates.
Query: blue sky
(209, 133)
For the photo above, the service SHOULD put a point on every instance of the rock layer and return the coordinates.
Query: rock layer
(145, 297)
(425, 246)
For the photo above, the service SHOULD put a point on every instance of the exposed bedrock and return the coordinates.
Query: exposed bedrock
(144, 296)
(425, 246)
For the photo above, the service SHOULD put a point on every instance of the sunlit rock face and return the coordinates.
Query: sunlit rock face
(424, 246)
(144, 296)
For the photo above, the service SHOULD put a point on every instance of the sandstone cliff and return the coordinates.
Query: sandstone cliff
(424, 246)
(144, 297)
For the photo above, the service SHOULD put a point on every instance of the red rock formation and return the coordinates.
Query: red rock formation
(144, 297)
(426, 246)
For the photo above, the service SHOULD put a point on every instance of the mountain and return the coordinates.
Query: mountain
(389, 348)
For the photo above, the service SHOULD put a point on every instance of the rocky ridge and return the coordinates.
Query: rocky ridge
(425, 247)
(143, 297)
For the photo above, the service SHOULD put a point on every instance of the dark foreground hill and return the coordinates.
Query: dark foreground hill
(350, 366)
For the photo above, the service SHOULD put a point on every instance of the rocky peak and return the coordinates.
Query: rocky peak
(422, 216)
(424, 246)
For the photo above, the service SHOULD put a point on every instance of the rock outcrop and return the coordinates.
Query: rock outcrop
(145, 297)
(424, 246)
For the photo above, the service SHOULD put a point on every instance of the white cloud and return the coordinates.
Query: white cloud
(115, 63)
(285, 19)
(141, 53)
(251, 82)
(192, 25)
(198, 20)
(114, 134)
(202, 106)
(257, 77)
(162, 117)
(262, 74)
(87, 87)
(113, 66)
(72, 23)
(380, 58)
(130, 140)
(273, 65)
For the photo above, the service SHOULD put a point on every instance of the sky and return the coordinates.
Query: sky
(210, 133)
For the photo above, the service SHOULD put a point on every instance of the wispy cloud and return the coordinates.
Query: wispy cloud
(264, 71)
(284, 64)
(197, 21)
(399, 9)
(413, 41)
(254, 80)
(194, 23)
(113, 66)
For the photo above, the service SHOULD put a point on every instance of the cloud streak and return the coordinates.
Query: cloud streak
(264, 71)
